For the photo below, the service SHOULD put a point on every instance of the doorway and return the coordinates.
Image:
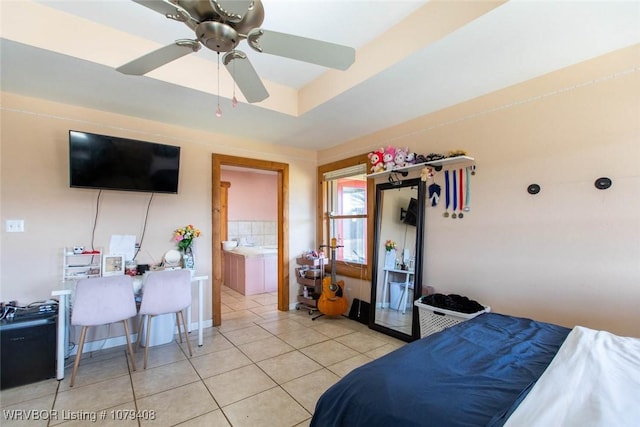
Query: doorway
(282, 171)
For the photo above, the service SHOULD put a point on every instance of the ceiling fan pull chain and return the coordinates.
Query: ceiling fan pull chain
(218, 110)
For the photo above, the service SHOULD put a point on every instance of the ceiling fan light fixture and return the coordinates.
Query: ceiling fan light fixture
(217, 36)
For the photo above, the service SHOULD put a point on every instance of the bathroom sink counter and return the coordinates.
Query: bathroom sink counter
(251, 270)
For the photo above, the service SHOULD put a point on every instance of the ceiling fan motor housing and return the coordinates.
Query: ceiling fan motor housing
(204, 11)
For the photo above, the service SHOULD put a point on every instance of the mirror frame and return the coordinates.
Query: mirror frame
(377, 257)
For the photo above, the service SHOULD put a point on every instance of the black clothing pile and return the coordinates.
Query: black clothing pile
(452, 302)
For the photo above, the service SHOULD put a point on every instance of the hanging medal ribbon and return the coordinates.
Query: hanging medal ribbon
(446, 194)
(434, 194)
(455, 194)
(467, 198)
(462, 194)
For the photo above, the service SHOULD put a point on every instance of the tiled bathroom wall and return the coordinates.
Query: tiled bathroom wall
(254, 233)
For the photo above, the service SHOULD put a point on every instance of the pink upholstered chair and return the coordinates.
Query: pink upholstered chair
(101, 301)
(165, 292)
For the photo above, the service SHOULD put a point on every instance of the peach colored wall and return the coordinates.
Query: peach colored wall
(35, 188)
(571, 254)
(252, 196)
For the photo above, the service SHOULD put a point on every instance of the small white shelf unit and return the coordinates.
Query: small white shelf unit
(448, 161)
(80, 266)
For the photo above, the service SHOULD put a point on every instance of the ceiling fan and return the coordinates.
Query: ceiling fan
(221, 25)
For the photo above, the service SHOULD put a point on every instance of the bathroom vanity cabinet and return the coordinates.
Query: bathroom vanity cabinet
(251, 273)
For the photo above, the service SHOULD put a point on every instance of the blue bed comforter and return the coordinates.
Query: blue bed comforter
(472, 374)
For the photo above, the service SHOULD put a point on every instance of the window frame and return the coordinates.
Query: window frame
(322, 217)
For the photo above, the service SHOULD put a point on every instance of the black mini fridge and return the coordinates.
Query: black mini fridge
(28, 351)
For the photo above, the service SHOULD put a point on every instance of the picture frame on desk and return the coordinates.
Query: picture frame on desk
(113, 265)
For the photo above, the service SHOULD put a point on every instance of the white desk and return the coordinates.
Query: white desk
(405, 292)
(64, 296)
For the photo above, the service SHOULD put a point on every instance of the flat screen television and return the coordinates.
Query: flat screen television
(112, 163)
(409, 216)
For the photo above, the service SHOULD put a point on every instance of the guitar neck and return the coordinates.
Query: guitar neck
(334, 246)
(333, 265)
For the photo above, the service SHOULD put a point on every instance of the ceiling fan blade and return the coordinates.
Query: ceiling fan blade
(168, 9)
(245, 76)
(161, 6)
(301, 48)
(159, 57)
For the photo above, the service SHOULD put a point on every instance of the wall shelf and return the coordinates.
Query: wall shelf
(81, 265)
(448, 161)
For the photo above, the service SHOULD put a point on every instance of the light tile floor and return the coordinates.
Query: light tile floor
(261, 367)
(395, 319)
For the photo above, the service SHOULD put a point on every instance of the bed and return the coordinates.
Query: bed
(493, 370)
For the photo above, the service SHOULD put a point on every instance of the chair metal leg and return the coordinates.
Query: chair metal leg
(178, 323)
(83, 334)
(146, 346)
(184, 327)
(126, 331)
(140, 325)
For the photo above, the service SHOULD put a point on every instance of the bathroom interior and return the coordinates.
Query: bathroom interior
(250, 245)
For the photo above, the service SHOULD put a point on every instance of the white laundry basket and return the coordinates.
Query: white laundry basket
(434, 319)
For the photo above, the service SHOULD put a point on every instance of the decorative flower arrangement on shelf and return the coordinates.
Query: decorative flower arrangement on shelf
(390, 245)
(184, 237)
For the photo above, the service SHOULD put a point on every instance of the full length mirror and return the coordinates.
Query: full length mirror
(397, 257)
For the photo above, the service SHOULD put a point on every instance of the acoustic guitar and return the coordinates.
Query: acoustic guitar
(332, 301)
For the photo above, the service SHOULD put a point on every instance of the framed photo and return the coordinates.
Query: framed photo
(113, 265)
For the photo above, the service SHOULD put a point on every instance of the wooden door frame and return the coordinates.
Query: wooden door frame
(282, 170)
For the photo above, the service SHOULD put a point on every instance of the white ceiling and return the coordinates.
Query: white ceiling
(514, 42)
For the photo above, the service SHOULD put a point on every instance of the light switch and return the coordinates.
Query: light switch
(15, 225)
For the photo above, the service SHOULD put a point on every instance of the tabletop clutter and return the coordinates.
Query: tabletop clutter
(312, 270)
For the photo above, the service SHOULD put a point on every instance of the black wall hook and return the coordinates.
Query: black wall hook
(533, 189)
(602, 183)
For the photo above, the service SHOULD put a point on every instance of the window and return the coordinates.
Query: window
(343, 205)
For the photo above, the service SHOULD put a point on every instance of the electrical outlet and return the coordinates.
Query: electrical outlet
(15, 225)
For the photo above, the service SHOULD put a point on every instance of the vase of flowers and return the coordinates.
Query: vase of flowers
(390, 245)
(390, 254)
(184, 239)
